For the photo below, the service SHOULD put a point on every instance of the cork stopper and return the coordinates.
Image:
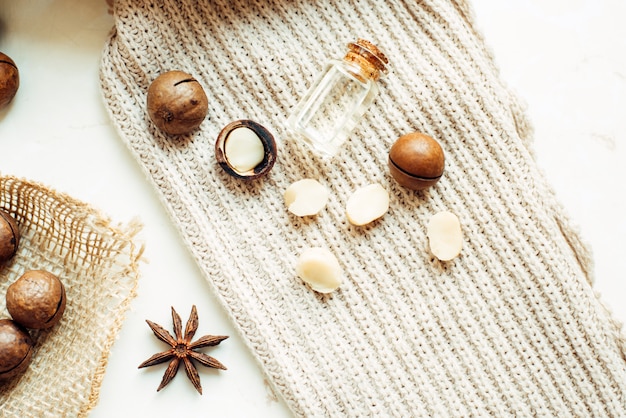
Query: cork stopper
(367, 56)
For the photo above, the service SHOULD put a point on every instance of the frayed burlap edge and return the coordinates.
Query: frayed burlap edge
(99, 265)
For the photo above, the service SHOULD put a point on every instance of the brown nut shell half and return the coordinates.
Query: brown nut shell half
(9, 80)
(16, 349)
(176, 102)
(9, 236)
(416, 161)
(36, 300)
(269, 147)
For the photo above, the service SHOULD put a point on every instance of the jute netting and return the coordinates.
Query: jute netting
(97, 262)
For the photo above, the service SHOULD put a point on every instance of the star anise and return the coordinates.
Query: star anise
(183, 349)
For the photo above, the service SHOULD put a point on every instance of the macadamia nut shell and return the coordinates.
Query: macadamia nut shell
(176, 102)
(9, 80)
(416, 161)
(9, 236)
(269, 149)
(37, 299)
(15, 349)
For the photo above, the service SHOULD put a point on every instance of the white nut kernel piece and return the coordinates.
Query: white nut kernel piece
(367, 204)
(444, 235)
(244, 149)
(320, 269)
(306, 197)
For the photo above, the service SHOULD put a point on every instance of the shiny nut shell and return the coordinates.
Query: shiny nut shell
(9, 236)
(416, 161)
(36, 300)
(16, 349)
(269, 146)
(9, 80)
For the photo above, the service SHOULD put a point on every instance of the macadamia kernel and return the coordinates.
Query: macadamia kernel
(445, 236)
(306, 197)
(244, 150)
(367, 204)
(320, 269)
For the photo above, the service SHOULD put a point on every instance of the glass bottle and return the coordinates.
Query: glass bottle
(338, 98)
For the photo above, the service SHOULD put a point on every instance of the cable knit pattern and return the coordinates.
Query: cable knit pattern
(512, 327)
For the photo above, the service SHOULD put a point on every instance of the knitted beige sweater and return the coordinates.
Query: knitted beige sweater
(510, 328)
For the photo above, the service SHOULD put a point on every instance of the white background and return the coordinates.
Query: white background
(565, 59)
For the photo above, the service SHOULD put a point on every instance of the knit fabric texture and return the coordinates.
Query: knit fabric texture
(511, 327)
(97, 262)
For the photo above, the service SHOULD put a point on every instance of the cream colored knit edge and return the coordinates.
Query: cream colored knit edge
(579, 244)
(577, 241)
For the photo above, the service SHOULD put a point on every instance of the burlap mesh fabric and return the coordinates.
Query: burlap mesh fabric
(512, 327)
(97, 263)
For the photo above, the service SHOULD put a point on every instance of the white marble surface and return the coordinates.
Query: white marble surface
(566, 59)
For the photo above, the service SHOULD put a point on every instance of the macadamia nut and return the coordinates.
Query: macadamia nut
(306, 197)
(176, 102)
(9, 236)
(445, 236)
(244, 150)
(367, 204)
(36, 300)
(9, 80)
(16, 349)
(320, 269)
(416, 161)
